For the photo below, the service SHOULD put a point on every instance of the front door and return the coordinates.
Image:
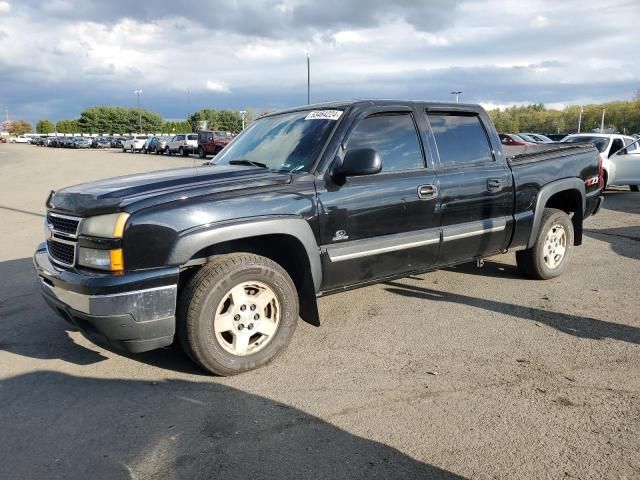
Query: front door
(628, 164)
(380, 225)
(476, 189)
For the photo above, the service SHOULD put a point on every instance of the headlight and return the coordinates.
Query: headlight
(105, 226)
(110, 260)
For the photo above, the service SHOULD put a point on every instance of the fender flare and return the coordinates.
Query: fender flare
(546, 193)
(192, 241)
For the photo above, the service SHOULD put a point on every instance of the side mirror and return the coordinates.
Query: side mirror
(358, 162)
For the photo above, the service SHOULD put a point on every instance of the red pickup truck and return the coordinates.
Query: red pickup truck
(211, 142)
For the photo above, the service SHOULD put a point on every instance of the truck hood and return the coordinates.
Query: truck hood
(134, 192)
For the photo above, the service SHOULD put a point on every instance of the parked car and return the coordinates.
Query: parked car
(620, 157)
(3, 140)
(345, 195)
(157, 145)
(513, 140)
(117, 142)
(82, 142)
(210, 142)
(20, 139)
(183, 144)
(134, 143)
(69, 142)
(101, 142)
(535, 137)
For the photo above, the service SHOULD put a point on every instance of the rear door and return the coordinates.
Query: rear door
(476, 187)
(385, 224)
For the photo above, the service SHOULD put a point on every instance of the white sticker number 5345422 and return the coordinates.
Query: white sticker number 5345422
(324, 115)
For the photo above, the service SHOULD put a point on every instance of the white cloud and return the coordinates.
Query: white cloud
(217, 87)
(95, 53)
(5, 7)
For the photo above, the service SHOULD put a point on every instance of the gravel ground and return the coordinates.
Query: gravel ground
(459, 373)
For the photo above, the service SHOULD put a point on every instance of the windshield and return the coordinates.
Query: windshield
(601, 143)
(222, 134)
(289, 142)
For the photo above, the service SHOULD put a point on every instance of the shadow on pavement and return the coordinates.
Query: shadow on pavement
(620, 199)
(28, 327)
(491, 268)
(60, 426)
(624, 241)
(582, 327)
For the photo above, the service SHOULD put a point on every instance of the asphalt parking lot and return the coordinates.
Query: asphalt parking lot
(459, 373)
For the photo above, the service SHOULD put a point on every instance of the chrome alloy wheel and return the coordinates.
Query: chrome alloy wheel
(247, 318)
(555, 246)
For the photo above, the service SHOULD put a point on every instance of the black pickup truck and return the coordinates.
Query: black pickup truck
(226, 256)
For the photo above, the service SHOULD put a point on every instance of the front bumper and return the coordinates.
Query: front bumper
(134, 312)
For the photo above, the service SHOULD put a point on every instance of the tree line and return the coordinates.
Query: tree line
(621, 116)
(122, 120)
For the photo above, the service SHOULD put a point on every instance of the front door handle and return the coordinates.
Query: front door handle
(426, 192)
(494, 185)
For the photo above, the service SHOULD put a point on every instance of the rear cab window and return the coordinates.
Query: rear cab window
(393, 136)
(461, 139)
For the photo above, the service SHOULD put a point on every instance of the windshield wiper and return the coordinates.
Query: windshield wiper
(250, 163)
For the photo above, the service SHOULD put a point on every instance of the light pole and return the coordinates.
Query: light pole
(188, 102)
(602, 122)
(243, 114)
(580, 118)
(457, 94)
(138, 92)
(308, 79)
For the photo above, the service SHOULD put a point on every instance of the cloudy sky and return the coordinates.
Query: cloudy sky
(59, 56)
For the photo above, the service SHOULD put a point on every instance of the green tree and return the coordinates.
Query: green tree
(217, 120)
(106, 119)
(45, 126)
(67, 126)
(20, 127)
(177, 127)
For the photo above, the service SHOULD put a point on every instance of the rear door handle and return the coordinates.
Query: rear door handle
(494, 185)
(426, 192)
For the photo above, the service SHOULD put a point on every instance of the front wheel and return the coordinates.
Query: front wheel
(237, 313)
(634, 188)
(549, 255)
(201, 153)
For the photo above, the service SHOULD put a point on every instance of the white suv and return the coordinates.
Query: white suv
(620, 157)
(182, 144)
(134, 143)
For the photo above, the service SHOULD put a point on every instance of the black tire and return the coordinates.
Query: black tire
(605, 180)
(181, 152)
(531, 262)
(634, 188)
(167, 151)
(204, 292)
(201, 153)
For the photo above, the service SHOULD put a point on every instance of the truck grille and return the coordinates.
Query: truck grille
(61, 232)
(63, 224)
(62, 253)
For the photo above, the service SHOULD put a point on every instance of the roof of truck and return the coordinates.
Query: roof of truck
(343, 104)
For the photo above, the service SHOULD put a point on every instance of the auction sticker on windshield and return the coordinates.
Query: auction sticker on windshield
(324, 115)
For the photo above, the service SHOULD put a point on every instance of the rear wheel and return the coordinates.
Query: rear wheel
(167, 151)
(181, 152)
(549, 255)
(237, 313)
(634, 188)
